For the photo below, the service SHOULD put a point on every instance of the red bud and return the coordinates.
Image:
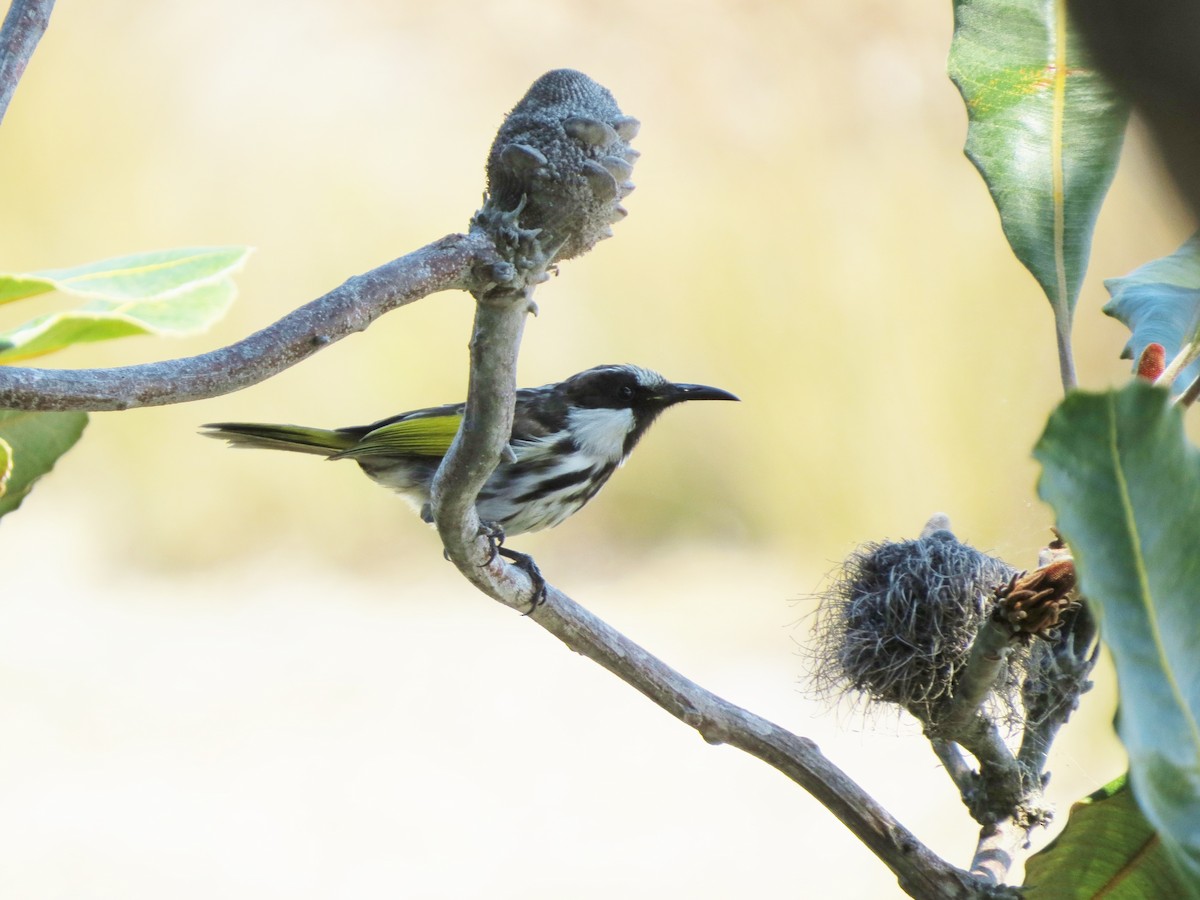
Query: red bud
(1152, 362)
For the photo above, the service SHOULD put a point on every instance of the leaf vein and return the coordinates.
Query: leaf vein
(1056, 156)
(1139, 560)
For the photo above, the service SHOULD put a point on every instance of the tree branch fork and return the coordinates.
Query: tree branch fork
(500, 263)
(472, 263)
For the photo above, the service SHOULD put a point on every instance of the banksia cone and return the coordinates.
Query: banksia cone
(561, 163)
(899, 621)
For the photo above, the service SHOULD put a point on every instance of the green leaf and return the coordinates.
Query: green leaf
(1107, 849)
(1045, 132)
(33, 442)
(1160, 304)
(18, 287)
(168, 292)
(140, 276)
(1125, 485)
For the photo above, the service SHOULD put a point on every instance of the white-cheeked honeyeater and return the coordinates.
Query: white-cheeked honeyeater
(567, 440)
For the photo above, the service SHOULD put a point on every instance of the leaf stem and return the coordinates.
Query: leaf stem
(1189, 395)
(1066, 358)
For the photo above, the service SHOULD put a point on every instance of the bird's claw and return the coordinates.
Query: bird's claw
(494, 532)
(525, 563)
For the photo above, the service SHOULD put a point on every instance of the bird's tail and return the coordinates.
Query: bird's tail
(281, 437)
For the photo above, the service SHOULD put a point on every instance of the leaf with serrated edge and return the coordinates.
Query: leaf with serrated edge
(1159, 303)
(1125, 486)
(35, 441)
(1107, 849)
(1044, 130)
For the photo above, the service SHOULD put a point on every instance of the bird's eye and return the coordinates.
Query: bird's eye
(626, 392)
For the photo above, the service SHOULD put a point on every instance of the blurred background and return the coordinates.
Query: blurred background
(253, 676)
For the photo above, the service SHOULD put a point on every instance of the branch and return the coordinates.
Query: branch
(485, 432)
(964, 777)
(919, 871)
(1001, 795)
(990, 650)
(476, 450)
(546, 202)
(465, 262)
(483, 436)
(1000, 845)
(1006, 795)
(23, 27)
(1000, 842)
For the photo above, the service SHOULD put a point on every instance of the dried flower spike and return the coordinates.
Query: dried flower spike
(1034, 603)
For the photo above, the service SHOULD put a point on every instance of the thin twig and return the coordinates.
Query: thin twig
(985, 665)
(1001, 839)
(1006, 825)
(1009, 803)
(964, 777)
(1005, 790)
(456, 261)
(23, 27)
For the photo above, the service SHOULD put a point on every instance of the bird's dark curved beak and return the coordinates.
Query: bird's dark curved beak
(679, 393)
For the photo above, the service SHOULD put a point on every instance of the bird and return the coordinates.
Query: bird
(567, 440)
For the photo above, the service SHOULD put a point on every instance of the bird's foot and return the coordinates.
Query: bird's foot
(494, 532)
(525, 563)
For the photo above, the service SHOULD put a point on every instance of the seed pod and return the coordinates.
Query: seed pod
(560, 164)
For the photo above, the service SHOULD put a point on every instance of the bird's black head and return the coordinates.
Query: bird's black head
(632, 387)
(642, 392)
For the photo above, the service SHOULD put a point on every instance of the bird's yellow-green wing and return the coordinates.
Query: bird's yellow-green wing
(418, 436)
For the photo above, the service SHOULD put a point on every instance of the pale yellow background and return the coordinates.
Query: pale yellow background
(252, 676)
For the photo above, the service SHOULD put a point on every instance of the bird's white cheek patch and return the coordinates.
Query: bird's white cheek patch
(601, 432)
